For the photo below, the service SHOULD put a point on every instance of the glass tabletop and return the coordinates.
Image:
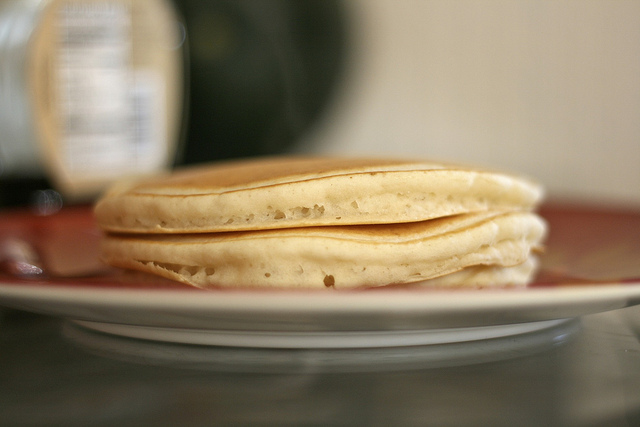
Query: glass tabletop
(581, 373)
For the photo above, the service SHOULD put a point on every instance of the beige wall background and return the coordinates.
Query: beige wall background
(550, 89)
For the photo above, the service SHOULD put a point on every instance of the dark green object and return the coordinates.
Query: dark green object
(261, 73)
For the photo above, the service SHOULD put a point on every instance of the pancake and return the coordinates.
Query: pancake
(489, 244)
(292, 192)
(481, 276)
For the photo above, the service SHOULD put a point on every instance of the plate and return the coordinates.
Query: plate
(320, 359)
(590, 266)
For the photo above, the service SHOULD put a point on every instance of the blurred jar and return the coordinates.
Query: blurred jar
(90, 91)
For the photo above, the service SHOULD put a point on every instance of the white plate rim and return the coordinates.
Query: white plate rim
(403, 309)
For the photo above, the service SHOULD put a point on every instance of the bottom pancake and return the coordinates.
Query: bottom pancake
(475, 249)
(481, 276)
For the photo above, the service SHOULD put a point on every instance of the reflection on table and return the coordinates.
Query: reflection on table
(578, 373)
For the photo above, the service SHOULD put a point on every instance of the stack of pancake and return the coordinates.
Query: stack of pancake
(292, 222)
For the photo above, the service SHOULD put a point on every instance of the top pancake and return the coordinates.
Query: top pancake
(285, 192)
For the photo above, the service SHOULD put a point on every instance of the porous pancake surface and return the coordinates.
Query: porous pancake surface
(290, 192)
(475, 247)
